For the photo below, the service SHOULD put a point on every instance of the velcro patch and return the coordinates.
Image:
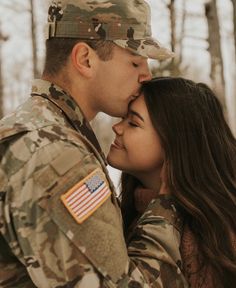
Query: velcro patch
(87, 196)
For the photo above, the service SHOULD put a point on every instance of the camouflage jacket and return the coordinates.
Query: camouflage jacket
(48, 155)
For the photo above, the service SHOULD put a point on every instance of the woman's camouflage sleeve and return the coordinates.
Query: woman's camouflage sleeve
(154, 244)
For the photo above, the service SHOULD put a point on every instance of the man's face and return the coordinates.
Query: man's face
(118, 81)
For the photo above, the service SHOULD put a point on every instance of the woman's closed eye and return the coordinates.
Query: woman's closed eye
(132, 124)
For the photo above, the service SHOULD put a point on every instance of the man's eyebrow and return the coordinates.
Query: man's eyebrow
(132, 112)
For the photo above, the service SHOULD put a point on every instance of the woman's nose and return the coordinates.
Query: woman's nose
(117, 128)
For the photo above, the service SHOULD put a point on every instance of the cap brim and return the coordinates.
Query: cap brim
(149, 48)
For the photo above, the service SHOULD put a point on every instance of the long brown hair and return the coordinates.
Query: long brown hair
(201, 154)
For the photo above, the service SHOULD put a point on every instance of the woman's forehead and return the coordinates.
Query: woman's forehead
(138, 106)
(138, 103)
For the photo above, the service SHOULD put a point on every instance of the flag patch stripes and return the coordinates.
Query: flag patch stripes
(87, 196)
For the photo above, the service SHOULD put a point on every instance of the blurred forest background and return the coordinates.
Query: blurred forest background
(201, 32)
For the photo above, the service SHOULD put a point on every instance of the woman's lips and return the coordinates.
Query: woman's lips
(116, 144)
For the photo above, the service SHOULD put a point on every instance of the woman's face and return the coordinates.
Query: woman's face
(137, 148)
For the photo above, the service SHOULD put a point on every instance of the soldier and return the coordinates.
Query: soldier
(60, 223)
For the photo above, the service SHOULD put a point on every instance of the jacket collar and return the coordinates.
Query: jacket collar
(69, 108)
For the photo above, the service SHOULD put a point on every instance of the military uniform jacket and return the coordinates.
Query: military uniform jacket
(50, 235)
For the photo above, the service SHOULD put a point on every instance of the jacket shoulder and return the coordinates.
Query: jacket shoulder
(35, 113)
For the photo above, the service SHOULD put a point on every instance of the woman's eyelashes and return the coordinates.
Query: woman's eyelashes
(132, 124)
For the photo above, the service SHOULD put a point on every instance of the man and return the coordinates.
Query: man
(60, 222)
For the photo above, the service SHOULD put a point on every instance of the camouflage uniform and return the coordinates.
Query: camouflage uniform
(60, 223)
(46, 148)
(126, 23)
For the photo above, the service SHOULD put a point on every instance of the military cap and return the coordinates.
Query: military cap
(124, 22)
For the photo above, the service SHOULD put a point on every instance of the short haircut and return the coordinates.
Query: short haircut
(59, 49)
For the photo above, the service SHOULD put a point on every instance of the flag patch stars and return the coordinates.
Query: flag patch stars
(87, 196)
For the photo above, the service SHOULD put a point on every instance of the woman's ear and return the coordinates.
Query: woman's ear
(82, 57)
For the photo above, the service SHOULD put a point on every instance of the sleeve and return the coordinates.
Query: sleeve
(154, 244)
(61, 250)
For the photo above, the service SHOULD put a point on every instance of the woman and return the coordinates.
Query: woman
(175, 133)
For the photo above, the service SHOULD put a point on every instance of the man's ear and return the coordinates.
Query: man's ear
(82, 57)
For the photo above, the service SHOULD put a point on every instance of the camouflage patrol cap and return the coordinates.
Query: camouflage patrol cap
(125, 22)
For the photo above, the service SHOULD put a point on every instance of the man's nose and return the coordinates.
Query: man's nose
(145, 74)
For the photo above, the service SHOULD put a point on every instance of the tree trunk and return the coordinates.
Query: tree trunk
(234, 20)
(34, 41)
(175, 62)
(2, 39)
(214, 39)
(172, 24)
(1, 82)
(182, 31)
(234, 99)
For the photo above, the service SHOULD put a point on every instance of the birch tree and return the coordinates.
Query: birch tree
(182, 31)
(174, 64)
(36, 72)
(3, 38)
(173, 67)
(234, 20)
(233, 124)
(214, 40)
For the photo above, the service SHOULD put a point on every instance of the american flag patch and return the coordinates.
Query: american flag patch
(86, 196)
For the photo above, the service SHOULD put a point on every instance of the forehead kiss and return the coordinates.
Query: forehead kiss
(138, 109)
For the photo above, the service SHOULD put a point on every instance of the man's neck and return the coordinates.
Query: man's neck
(65, 83)
(59, 81)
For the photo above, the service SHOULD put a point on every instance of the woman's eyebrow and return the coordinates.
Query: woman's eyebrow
(132, 112)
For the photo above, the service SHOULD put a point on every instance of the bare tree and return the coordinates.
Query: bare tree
(173, 67)
(171, 7)
(234, 20)
(36, 72)
(30, 8)
(182, 31)
(3, 38)
(214, 40)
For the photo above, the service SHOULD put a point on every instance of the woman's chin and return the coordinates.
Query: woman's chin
(110, 161)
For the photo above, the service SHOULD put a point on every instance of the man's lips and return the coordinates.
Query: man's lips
(135, 95)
